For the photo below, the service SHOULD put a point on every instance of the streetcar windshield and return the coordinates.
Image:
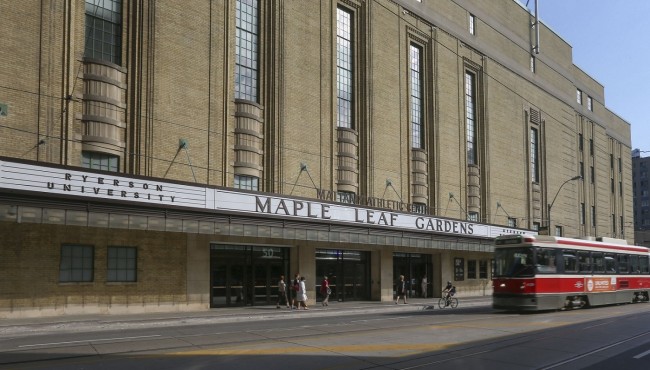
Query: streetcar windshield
(512, 262)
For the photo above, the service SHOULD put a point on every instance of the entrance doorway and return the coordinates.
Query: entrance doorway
(348, 273)
(246, 275)
(414, 266)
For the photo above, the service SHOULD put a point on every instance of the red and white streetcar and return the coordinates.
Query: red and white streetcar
(536, 272)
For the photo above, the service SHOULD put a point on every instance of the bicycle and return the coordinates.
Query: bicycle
(448, 302)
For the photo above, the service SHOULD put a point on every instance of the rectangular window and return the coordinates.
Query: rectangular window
(591, 147)
(582, 170)
(633, 264)
(570, 261)
(610, 263)
(545, 260)
(644, 265)
(122, 264)
(622, 229)
(590, 103)
(613, 224)
(416, 96)
(613, 186)
(582, 213)
(580, 142)
(246, 50)
(470, 116)
(584, 261)
(622, 264)
(104, 30)
(536, 226)
(620, 188)
(534, 165)
(579, 96)
(472, 216)
(471, 269)
(100, 161)
(593, 174)
(472, 24)
(558, 230)
(512, 222)
(620, 165)
(247, 182)
(76, 263)
(344, 72)
(598, 262)
(482, 269)
(593, 216)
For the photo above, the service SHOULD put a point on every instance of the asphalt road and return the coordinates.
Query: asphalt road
(613, 337)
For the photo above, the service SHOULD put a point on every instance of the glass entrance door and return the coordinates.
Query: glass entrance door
(414, 267)
(348, 273)
(246, 275)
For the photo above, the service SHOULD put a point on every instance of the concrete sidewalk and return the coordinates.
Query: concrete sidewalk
(95, 322)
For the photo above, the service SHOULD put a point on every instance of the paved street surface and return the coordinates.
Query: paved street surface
(352, 335)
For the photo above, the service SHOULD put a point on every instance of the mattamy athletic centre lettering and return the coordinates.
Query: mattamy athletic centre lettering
(86, 184)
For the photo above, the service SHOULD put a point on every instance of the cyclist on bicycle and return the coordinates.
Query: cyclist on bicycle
(449, 291)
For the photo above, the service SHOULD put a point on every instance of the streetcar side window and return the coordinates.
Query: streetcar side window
(622, 263)
(610, 263)
(633, 267)
(598, 261)
(643, 264)
(584, 261)
(570, 261)
(514, 261)
(545, 260)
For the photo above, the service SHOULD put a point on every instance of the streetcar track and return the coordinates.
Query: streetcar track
(364, 326)
(575, 358)
(519, 339)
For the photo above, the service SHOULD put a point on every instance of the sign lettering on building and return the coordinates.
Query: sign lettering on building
(108, 186)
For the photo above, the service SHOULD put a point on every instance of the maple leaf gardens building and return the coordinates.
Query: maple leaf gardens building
(170, 156)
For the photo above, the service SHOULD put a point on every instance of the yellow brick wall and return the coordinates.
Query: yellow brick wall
(180, 77)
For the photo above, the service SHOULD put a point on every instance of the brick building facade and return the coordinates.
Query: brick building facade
(426, 127)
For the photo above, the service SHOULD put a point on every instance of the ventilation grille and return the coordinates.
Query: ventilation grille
(535, 116)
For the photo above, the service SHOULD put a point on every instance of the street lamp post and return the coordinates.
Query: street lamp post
(554, 198)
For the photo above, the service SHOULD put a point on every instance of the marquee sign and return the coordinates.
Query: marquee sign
(20, 176)
(109, 186)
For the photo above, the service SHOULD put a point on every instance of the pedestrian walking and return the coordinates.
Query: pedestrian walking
(423, 285)
(325, 291)
(401, 289)
(302, 294)
(282, 292)
(295, 286)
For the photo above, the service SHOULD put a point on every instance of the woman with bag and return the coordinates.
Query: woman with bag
(325, 291)
(282, 292)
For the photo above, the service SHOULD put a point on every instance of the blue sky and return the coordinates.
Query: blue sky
(609, 44)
